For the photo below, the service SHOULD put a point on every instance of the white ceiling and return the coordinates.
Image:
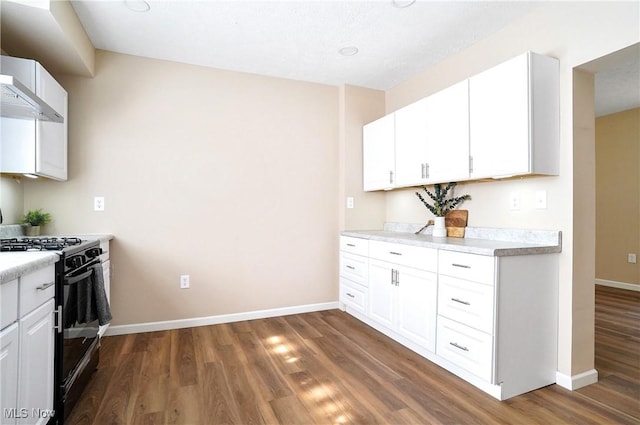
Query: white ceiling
(299, 39)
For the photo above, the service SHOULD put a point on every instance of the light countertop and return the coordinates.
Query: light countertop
(481, 241)
(16, 264)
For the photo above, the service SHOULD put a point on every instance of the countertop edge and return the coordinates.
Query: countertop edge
(487, 247)
(32, 264)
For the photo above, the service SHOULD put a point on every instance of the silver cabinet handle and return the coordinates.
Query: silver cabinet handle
(460, 301)
(350, 295)
(390, 177)
(44, 286)
(351, 245)
(395, 253)
(423, 171)
(397, 278)
(351, 267)
(470, 164)
(462, 266)
(58, 321)
(393, 277)
(426, 170)
(455, 344)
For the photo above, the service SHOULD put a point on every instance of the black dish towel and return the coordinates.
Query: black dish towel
(96, 304)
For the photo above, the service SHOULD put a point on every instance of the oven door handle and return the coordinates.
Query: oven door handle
(70, 280)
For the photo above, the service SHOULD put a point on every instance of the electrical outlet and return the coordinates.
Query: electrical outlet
(350, 202)
(184, 281)
(98, 203)
(631, 258)
(514, 201)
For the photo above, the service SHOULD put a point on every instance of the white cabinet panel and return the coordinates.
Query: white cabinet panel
(477, 268)
(36, 363)
(381, 292)
(9, 373)
(405, 255)
(354, 245)
(353, 295)
(417, 300)
(514, 118)
(8, 303)
(468, 348)
(412, 150)
(355, 268)
(466, 302)
(36, 288)
(378, 149)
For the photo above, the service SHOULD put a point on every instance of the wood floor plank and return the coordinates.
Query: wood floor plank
(327, 367)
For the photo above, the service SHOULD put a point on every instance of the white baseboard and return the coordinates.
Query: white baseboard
(216, 320)
(577, 381)
(621, 285)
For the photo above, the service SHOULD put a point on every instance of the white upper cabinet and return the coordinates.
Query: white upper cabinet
(34, 146)
(412, 149)
(514, 118)
(378, 140)
(448, 134)
(432, 138)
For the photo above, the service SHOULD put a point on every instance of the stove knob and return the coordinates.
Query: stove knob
(74, 262)
(94, 252)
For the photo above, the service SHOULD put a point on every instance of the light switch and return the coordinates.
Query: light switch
(541, 199)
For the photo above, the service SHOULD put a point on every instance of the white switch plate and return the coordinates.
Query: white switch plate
(184, 281)
(541, 199)
(98, 203)
(350, 202)
(514, 201)
(631, 258)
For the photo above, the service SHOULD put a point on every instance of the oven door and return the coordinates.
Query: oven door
(79, 332)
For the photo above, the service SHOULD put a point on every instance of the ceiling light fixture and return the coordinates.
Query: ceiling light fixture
(403, 3)
(137, 5)
(348, 51)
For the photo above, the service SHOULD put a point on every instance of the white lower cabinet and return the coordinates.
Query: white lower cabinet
(354, 274)
(402, 298)
(9, 372)
(490, 320)
(36, 365)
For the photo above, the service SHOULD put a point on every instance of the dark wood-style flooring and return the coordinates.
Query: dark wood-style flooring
(329, 368)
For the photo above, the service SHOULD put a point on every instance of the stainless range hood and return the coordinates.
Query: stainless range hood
(20, 102)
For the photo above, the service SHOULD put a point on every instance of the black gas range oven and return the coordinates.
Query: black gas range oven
(76, 338)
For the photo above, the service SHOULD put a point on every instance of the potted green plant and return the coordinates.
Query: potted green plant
(36, 218)
(441, 205)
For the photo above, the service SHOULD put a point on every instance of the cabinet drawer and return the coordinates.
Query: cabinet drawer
(354, 267)
(36, 288)
(354, 245)
(478, 268)
(353, 295)
(466, 302)
(468, 348)
(8, 303)
(406, 255)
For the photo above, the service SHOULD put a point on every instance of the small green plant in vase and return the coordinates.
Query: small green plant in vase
(36, 218)
(441, 205)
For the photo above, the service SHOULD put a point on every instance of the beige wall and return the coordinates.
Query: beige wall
(618, 196)
(228, 177)
(573, 32)
(11, 200)
(358, 106)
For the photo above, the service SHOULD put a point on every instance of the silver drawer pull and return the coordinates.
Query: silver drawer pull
(395, 253)
(459, 346)
(460, 301)
(351, 267)
(58, 313)
(463, 266)
(351, 245)
(44, 286)
(350, 295)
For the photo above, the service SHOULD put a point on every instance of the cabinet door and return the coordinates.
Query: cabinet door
(378, 154)
(381, 292)
(447, 134)
(51, 138)
(417, 300)
(499, 120)
(36, 364)
(411, 144)
(9, 374)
